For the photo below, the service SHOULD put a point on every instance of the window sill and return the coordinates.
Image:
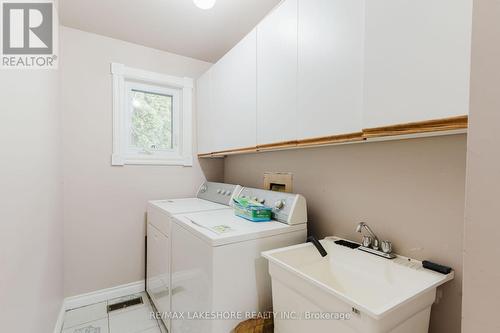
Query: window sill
(118, 160)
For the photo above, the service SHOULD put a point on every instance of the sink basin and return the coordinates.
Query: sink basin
(350, 290)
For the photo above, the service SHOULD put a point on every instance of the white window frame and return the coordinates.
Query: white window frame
(126, 79)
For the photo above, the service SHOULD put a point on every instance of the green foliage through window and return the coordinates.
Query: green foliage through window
(151, 121)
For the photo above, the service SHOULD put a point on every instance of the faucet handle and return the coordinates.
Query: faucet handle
(386, 247)
(367, 241)
(375, 244)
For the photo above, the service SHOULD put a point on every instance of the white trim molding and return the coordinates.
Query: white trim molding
(97, 296)
(102, 295)
(123, 76)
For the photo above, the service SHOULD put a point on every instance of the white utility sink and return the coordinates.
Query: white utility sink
(352, 291)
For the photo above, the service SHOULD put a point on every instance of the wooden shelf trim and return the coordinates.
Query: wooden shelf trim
(277, 145)
(327, 140)
(437, 125)
(331, 140)
(245, 150)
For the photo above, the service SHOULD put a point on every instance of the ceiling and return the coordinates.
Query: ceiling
(176, 26)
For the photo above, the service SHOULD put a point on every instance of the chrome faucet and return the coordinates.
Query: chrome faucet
(367, 241)
(371, 243)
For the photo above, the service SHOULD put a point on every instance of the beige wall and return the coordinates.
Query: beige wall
(103, 205)
(482, 227)
(409, 191)
(31, 270)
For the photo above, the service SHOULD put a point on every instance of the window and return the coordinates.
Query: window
(151, 118)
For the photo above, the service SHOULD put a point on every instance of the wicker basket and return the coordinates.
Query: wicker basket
(255, 326)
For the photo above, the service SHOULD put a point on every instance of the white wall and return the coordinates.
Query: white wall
(31, 275)
(104, 206)
(482, 227)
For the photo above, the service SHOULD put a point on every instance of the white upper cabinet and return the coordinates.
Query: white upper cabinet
(417, 60)
(227, 100)
(205, 117)
(330, 67)
(319, 68)
(277, 75)
(235, 96)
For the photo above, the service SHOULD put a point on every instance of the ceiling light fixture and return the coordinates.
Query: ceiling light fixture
(204, 4)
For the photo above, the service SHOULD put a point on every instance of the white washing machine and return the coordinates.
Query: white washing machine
(210, 197)
(218, 273)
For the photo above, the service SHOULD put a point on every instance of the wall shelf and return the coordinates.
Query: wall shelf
(394, 132)
(437, 125)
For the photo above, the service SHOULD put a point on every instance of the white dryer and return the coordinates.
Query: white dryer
(210, 197)
(218, 274)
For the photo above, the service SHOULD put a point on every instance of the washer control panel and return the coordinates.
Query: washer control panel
(287, 207)
(218, 192)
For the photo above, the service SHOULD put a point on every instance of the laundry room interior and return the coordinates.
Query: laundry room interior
(222, 166)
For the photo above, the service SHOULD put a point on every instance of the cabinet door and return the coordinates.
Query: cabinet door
(235, 96)
(417, 60)
(205, 115)
(277, 75)
(330, 70)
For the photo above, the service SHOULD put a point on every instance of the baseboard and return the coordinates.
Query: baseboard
(102, 295)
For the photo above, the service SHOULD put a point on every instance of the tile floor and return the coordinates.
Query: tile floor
(96, 319)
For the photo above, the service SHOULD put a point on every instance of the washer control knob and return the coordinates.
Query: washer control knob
(228, 193)
(262, 201)
(219, 191)
(255, 199)
(279, 204)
